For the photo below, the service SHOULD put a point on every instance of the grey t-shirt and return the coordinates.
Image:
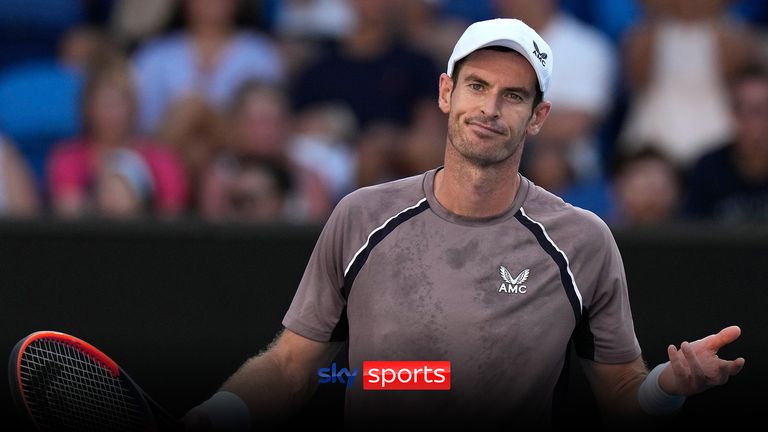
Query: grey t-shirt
(401, 278)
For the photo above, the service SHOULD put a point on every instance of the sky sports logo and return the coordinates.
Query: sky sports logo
(393, 375)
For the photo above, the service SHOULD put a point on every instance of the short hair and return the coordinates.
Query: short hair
(750, 72)
(538, 96)
(647, 153)
(278, 169)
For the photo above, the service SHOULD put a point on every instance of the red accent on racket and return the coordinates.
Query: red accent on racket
(64, 383)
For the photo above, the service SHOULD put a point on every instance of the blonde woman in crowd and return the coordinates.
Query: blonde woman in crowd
(108, 124)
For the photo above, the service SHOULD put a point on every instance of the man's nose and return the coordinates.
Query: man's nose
(490, 107)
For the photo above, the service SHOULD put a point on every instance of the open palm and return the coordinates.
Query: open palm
(696, 367)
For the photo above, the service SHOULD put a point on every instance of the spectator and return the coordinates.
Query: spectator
(261, 127)
(384, 83)
(313, 19)
(123, 186)
(425, 29)
(195, 131)
(380, 80)
(133, 22)
(385, 152)
(378, 148)
(647, 189)
(259, 191)
(304, 27)
(210, 57)
(108, 112)
(730, 184)
(677, 64)
(584, 56)
(83, 46)
(38, 100)
(548, 166)
(18, 194)
(321, 144)
(423, 143)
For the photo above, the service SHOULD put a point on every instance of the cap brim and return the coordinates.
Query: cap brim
(513, 45)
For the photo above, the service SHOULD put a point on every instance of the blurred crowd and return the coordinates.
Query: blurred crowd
(261, 110)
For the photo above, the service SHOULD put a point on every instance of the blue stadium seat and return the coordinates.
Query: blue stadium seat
(39, 105)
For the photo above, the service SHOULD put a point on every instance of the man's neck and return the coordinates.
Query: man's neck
(472, 191)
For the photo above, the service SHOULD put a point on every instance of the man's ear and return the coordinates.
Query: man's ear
(540, 114)
(444, 95)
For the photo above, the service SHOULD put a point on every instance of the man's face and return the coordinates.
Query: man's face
(490, 108)
(750, 111)
(222, 12)
(261, 124)
(110, 111)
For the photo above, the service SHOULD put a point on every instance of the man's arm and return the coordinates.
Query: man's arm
(615, 385)
(692, 369)
(277, 382)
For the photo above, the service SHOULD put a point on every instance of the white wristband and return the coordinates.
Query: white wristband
(226, 412)
(655, 401)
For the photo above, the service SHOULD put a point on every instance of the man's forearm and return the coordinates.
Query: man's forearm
(616, 387)
(622, 401)
(635, 393)
(269, 390)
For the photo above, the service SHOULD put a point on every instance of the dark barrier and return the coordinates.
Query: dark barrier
(181, 305)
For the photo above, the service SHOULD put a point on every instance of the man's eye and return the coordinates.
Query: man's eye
(514, 97)
(476, 86)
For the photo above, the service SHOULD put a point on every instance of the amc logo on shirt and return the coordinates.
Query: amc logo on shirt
(406, 375)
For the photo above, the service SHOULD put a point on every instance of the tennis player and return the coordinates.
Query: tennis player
(473, 264)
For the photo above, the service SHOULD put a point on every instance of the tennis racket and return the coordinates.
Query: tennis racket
(63, 383)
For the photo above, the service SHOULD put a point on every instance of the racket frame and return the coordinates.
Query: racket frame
(14, 372)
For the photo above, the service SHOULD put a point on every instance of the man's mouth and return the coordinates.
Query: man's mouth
(486, 127)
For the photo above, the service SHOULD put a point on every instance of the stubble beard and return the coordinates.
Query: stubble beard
(481, 158)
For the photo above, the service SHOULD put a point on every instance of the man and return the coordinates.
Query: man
(369, 70)
(387, 85)
(419, 269)
(730, 184)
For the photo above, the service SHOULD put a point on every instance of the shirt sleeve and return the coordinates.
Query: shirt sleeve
(606, 332)
(318, 309)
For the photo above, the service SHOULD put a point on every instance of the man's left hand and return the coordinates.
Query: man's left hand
(696, 367)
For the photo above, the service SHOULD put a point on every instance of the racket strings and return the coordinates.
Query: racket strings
(65, 389)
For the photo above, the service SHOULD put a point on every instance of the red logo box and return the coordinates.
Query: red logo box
(406, 375)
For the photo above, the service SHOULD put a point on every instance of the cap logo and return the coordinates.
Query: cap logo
(542, 56)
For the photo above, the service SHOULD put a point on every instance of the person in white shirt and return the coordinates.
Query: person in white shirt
(585, 56)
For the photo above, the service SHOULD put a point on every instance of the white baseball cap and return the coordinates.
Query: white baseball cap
(510, 33)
